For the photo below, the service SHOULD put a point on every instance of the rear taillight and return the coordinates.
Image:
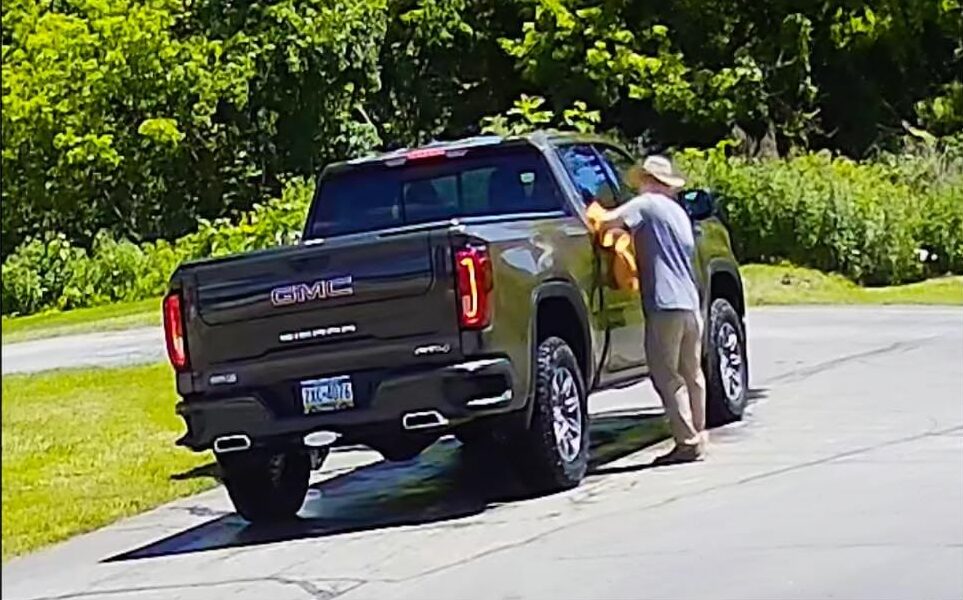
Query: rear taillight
(174, 331)
(474, 273)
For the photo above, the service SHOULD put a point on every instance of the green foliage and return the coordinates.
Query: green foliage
(943, 114)
(130, 122)
(51, 273)
(873, 222)
(141, 117)
(577, 50)
(891, 220)
(99, 99)
(528, 115)
(687, 72)
(35, 276)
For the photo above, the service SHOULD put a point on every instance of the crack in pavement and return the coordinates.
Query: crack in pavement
(797, 375)
(315, 591)
(309, 587)
(672, 499)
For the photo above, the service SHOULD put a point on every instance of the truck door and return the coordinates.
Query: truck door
(622, 309)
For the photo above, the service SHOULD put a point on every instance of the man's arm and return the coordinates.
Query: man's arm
(629, 214)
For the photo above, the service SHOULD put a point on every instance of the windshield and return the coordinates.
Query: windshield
(506, 181)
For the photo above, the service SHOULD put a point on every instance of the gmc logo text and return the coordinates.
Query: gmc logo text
(299, 293)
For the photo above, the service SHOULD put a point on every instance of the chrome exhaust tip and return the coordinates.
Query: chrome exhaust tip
(231, 443)
(502, 398)
(423, 420)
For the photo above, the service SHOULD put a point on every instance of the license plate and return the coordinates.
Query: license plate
(330, 393)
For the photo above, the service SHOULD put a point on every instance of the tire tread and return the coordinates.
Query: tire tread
(719, 410)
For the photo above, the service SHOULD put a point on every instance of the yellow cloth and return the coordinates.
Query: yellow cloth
(624, 268)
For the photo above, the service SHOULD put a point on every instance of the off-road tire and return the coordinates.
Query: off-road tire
(723, 407)
(539, 457)
(266, 486)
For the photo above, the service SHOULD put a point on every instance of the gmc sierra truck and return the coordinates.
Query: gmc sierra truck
(456, 289)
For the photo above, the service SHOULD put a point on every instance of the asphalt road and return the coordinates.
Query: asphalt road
(103, 349)
(845, 481)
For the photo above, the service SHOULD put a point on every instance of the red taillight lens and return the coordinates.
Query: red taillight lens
(423, 153)
(174, 331)
(474, 272)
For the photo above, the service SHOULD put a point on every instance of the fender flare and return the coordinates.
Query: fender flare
(564, 289)
(717, 266)
(729, 268)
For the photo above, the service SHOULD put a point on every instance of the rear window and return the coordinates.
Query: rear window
(481, 183)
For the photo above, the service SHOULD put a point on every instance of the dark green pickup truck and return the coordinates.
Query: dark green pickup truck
(454, 288)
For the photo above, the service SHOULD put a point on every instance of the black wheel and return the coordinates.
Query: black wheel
(266, 485)
(727, 376)
(555, 450)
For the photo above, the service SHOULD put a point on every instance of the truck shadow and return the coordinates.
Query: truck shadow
(443, 483)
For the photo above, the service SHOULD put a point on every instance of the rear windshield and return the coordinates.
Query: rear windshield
(481, 183)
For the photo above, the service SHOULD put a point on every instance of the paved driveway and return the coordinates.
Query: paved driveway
(104, 349)
(845, 481)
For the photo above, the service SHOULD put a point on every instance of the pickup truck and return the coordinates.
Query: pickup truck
(455, 288)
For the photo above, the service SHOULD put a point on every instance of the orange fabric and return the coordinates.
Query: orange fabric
(624, 268)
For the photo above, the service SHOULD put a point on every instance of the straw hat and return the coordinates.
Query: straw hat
(658, 167)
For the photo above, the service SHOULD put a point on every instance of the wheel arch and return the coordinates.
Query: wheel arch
(725, 282)
(559, 310)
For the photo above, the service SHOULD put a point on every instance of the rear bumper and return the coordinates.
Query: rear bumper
(460, 393)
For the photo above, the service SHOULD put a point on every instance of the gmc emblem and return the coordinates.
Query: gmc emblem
(299, 293)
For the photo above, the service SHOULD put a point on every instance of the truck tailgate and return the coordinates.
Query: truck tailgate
(371, 292)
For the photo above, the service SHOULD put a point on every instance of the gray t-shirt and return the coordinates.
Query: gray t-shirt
(665, 248)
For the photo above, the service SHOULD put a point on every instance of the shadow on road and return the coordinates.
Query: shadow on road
(756, 394)
(443, 483)
(206, 471)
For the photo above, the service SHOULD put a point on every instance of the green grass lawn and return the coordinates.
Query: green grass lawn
(112, 317)
(84, 448)
(787, 284)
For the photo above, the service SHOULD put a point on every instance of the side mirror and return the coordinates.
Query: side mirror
(700, 204)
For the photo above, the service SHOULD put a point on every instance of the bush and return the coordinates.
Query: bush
(872, 222)
(876, 222)
(35, 276)
(52, 274)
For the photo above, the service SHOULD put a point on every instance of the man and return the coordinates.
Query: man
(665, 248)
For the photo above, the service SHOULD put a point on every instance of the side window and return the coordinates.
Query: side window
(589, 174)
(619, 163)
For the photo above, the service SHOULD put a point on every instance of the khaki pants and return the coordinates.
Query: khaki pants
(673, 348)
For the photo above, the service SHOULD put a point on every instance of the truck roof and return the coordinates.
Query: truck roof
(539, 139)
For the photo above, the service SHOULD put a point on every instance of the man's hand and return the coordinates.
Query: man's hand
(605, 224)
(601, 222)
(597, 216)
(600, 219)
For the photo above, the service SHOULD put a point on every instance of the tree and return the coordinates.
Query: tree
(140, 117)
